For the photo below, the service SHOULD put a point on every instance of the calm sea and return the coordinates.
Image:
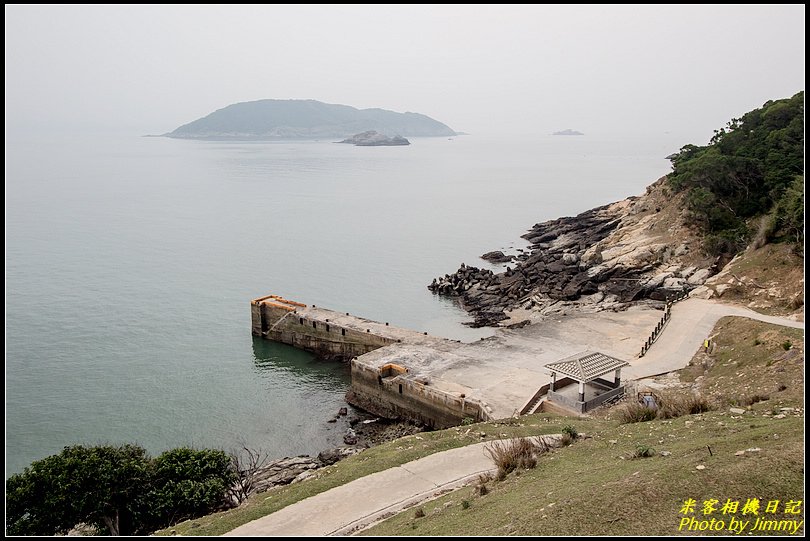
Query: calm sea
(131, 261)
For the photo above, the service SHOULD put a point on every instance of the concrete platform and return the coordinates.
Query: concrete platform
(505, 370)
(398, 372)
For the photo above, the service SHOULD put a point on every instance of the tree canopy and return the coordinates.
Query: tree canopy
(120, 490)
(752, 167)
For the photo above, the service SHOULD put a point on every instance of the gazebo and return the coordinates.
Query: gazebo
(585, 369)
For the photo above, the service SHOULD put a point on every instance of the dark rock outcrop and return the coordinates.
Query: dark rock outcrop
(571, 261)
(290, 469)
(497, 257)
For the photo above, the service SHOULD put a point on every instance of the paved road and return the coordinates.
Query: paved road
(691, 323)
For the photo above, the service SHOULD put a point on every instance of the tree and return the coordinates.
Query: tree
(120, 490)
(747, 170)
(97, 485)
(187, 483)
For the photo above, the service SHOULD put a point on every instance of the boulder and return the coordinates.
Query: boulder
(350, 438)
(699, 276)
(331, 456)
(497, 257)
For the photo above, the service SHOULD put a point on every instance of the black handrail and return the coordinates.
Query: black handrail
(660, 326)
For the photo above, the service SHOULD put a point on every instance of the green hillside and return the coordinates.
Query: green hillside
(752, 168)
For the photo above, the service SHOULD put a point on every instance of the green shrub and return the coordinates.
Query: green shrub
(643, 451)
(119, 490)
(188, 483)
(787, 344)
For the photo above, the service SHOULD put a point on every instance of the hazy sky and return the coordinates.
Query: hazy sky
(683, 69)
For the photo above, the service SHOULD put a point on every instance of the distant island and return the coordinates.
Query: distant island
(375, 139)
(568, 132)
(305, 119)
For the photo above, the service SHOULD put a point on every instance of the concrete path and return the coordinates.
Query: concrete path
(691, 322)
(344, 509)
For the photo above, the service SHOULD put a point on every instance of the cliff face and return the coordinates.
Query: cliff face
(635, 250)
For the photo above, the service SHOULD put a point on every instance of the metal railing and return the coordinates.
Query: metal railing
(656, 332)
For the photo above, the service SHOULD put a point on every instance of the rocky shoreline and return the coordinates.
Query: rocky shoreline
(364, 431)
(603, 259)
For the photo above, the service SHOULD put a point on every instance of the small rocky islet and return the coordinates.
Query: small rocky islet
(373, 138)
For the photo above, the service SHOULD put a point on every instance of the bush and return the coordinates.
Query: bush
(467, 421)
(570, 430)
(481, 488)
(188, 483)
(566, 440)
(513, 454)
(643, 451)
(101, 486)
(747, 400)
(636, 413)
(419, 513)
(787, 344)
(465, 504)
(673, 405)
(119, 490)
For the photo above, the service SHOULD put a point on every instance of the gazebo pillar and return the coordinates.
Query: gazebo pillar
(582, 391)
(553, 381)
(618, 377)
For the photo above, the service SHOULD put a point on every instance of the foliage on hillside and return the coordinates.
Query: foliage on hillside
(753, 167)
(119, 490)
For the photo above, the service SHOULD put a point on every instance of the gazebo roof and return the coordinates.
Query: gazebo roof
(588, 366)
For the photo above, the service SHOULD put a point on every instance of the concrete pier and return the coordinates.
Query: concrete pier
(402, 373)
(387, 362)
(327, 333)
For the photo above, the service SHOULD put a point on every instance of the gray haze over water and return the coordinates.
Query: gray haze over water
(130, 261)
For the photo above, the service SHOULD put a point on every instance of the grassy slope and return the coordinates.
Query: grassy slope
(372, 460)
(595, 488)
(592, 488)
